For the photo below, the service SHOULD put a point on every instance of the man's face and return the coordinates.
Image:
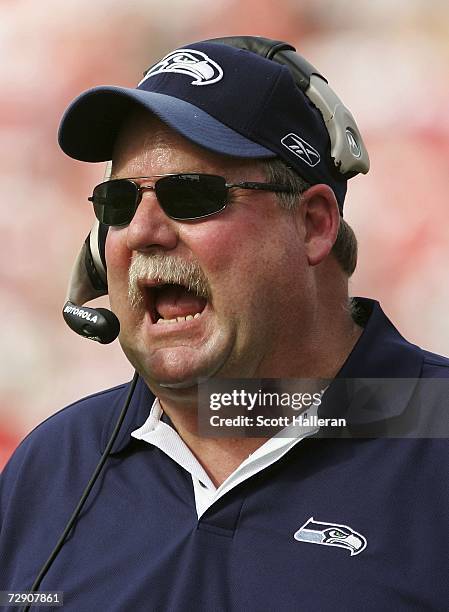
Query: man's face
(251, 257)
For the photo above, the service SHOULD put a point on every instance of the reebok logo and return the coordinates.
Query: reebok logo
(301, 149)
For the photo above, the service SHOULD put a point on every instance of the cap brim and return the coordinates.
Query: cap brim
(91, 123)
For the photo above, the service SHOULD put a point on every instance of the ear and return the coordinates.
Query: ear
(321, 219)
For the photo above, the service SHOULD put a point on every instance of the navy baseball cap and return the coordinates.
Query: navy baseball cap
(227, 100)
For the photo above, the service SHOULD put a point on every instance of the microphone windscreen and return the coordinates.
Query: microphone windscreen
(97, 324)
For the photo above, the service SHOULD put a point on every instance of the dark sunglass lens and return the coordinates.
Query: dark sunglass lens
(115, 202)
(190, 196)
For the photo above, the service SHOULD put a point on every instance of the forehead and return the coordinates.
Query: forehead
(144, 142)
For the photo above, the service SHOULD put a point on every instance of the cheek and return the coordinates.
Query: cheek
(225, 244)
(219, 245)
(242, 260)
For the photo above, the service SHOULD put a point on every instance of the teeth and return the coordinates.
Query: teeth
(179, 319)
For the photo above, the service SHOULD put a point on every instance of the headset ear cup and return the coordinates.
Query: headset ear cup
(88, 281)
(99, 232)
(88, 277)
(102, 233)
(95, 260)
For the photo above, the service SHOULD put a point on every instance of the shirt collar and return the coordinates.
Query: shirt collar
(380, 353)
(137, 413)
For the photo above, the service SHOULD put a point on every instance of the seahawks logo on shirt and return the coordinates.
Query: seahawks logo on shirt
(331, 534)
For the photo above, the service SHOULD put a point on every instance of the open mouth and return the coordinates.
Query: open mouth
(170, 303)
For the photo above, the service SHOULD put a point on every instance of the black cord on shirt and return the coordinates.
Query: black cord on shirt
(54, 553)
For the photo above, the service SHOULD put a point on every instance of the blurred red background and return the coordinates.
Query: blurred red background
(388, 62)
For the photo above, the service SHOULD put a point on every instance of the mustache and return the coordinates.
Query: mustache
(165, 269)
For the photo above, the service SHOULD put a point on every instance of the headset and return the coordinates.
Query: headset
(87, 282)
(89, 277)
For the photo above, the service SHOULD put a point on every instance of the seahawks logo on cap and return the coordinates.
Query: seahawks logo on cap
(331, 534)
(190, 62)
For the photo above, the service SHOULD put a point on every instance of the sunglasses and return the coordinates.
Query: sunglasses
(182, 197)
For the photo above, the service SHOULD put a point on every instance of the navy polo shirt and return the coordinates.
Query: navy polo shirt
(138, 544)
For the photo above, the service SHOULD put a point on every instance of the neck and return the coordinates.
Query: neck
(220, 457)
(331, 336)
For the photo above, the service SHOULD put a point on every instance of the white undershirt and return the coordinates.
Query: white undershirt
(156, 432)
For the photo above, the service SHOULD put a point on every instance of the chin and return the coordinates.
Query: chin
(185, 384)
(172, 369)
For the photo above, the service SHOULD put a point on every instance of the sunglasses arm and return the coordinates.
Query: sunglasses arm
(273, 187)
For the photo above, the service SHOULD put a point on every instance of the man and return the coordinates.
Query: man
(246, 277)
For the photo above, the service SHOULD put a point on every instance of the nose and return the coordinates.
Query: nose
(150, 226)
